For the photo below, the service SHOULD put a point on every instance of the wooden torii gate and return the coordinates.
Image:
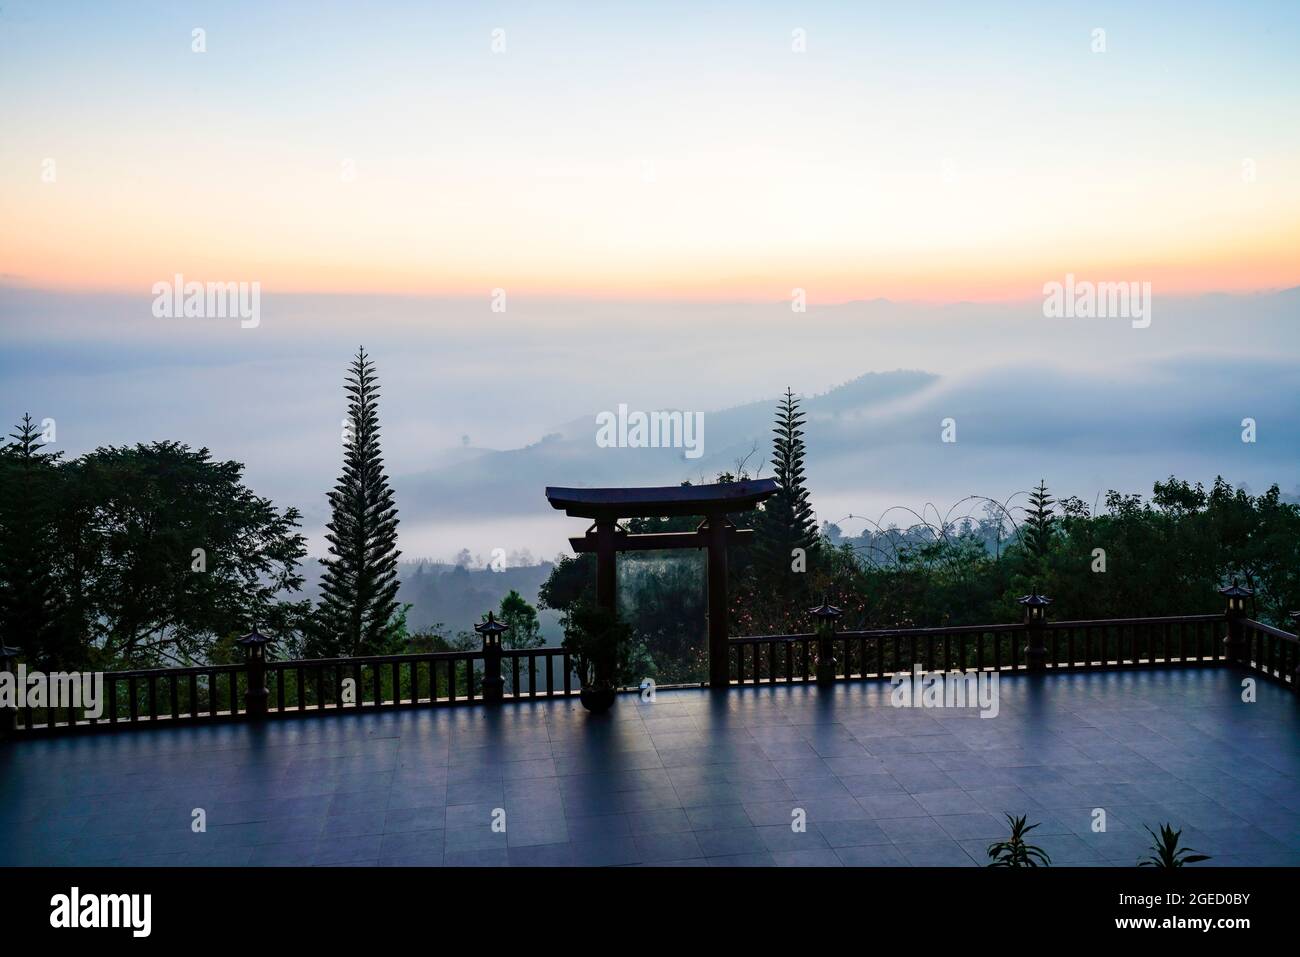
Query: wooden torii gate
(606, 506)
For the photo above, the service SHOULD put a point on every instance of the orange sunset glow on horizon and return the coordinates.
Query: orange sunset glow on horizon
(736, 173)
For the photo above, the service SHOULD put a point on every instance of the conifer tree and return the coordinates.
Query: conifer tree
(1040, 521)
(28, 588)
(359, 584)
(787, 522)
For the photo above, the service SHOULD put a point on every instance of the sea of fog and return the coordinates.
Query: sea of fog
(481, 409)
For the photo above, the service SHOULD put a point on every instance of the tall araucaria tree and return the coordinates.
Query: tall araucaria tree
(1040, 522)
(788, 540)
(28, 510)
(359, 586)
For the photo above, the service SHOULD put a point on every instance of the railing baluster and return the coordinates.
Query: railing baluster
(1072, 645)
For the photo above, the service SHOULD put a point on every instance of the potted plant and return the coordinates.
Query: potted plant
(597, 642)
(1016, 852)
(1167, 853)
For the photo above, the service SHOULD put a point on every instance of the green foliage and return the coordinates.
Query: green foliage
(359, 584)
(525, 630)
(1016, 851)
(571, 580)
(521, 618)
(598, 642)
(147, 509)
(116, 563)
(29, 499)
(1165, 851)
(662, 595)
(1169, 555)
(787, 522)
(1040, 522)
(437, 637)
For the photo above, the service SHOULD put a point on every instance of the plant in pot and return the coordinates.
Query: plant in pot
(1016, 851)
(1166, 851)
(597, 642)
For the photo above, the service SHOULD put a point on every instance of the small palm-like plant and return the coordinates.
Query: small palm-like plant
(1167, 853)
(1016, 852)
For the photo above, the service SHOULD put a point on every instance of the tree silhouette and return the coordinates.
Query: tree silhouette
(28, 504)
(1040, 521)
(359, 583)
(787, 522)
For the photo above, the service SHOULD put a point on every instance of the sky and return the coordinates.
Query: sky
(644, 187)
(936, 152)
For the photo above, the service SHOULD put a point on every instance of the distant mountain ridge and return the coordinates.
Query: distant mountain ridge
(569, 455)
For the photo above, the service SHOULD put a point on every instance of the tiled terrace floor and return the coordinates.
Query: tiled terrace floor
(693, 778)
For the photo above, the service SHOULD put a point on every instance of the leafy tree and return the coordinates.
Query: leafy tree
(157, 599)
(521, 618)
(163, 553)
(359, 584)
(600, 644)
(571, 580)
